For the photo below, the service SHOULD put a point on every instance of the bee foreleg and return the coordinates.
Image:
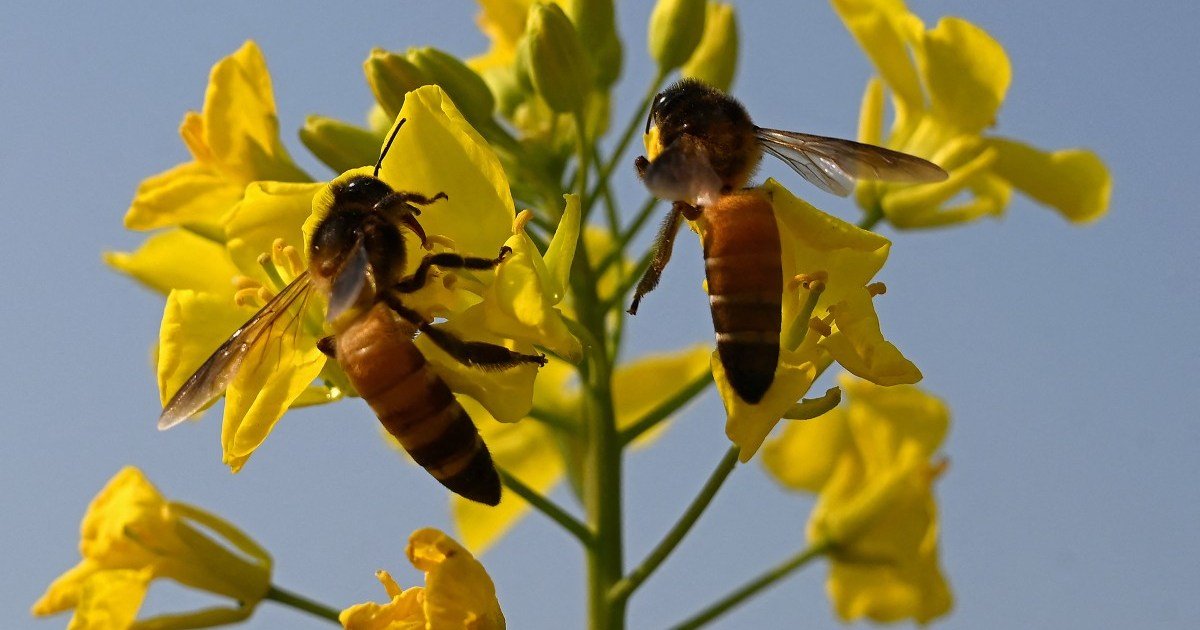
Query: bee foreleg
(480, 354)
(328, 346)
(447, 260)
(663, 243)
(417, 198)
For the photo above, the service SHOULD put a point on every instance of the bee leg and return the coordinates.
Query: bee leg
(480, 354)
(447, 260)
(418, 198)
(640, 164)
(327, 346)
(663, 243)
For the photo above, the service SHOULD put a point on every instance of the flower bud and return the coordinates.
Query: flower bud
(391, 76)
(466, 88)
(675, 30)
(715, 60)
(558, 64)
(340, 146)
(595, 22)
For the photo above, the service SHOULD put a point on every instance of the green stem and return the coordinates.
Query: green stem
(299, 602)
(619, 247)
(873, 216)
(666, 408)
(621, 592)
(752, 588)
(606, 169)
(548, 507)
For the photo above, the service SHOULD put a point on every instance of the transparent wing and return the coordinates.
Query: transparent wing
(832, 164)
(214, 375)
(349, 282)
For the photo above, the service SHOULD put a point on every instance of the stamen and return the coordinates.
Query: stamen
(295, 263)
(268, 267)
(522, 219)
(248, 297)
(439, 239)
(821, 326)
(876, 288)
(245, 282)
(265, 294)
(798, 330)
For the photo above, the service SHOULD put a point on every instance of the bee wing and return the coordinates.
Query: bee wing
(349, 282)
(832, 164)
(218, 371)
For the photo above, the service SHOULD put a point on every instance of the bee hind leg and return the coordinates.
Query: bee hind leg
(480, 354)
(328, 346)
(447, 260)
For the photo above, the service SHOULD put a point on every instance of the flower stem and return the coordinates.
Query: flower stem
(623, 589)
(752, 587)
(548, 507)
(299, 602)
(666, 408)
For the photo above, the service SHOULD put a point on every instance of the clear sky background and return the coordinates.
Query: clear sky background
(1069, 355)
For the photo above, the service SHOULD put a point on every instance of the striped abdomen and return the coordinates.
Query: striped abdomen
(415, 405)
(745, 289)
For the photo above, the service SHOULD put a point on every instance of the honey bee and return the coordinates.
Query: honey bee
(357, 259)
(704, 150)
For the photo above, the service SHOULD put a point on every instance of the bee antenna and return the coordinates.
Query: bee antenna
(387, 146)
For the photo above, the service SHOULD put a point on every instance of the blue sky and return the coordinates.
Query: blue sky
(1069, 355)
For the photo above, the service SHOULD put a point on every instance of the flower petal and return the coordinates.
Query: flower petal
(268, 211)
(193, 326)
(967, 74)
(859, 346)
(191, 194)
(178, 259)
(1073, 181)
(883, 28)
(748, 425)
(110, 599)
(479, 212)
(804, 456)
(458, 591)
(63, 592)
(561, 251)
(641, 385)
(405, 611)
(525, 450)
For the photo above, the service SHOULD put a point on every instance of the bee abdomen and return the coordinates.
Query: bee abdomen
(417, 407)
(745, 285)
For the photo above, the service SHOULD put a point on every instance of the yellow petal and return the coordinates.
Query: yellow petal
(503, 21)
(191, 194)
(715, 60)
(748, 425)
(178, 259)
(479, 212)
(268, 211)
(128, 506)
(804, 455)
(109, 600)
(458, 591)
(527, 451)
(240, 125)
(561, 251)
(895, 422)
(1073, 181)
(193, 326)
(506, 394)
(273, 374)
(519, 304)
(883, 29)
(641, 385)
(63, 593)
(859, 346)
(967, 74)
(405, 611)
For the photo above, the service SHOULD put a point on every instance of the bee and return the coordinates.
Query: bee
(357, 260)
(704, 150)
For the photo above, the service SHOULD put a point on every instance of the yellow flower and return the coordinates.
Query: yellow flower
(132, 535)
(538, 455)
(947, 85)
(234, 141)
(828, 265)
(869, 461)
(457, 594)
(515, 306)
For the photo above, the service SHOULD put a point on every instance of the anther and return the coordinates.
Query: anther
(294, 262)
(245, 282)
(876, 288)
(820, 326)
(938, 468)
(812, 281)
(247, 296)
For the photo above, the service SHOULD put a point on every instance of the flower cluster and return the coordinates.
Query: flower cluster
(506, 149)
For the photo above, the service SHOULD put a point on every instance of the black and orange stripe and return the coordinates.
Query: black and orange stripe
(415, 405)
(745, 288)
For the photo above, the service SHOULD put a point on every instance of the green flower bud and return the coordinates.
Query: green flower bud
(558, 65)
(675, 30)
(715, 60)
(596, 23)
(466, 88)
(391, 76)
(340, 146)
